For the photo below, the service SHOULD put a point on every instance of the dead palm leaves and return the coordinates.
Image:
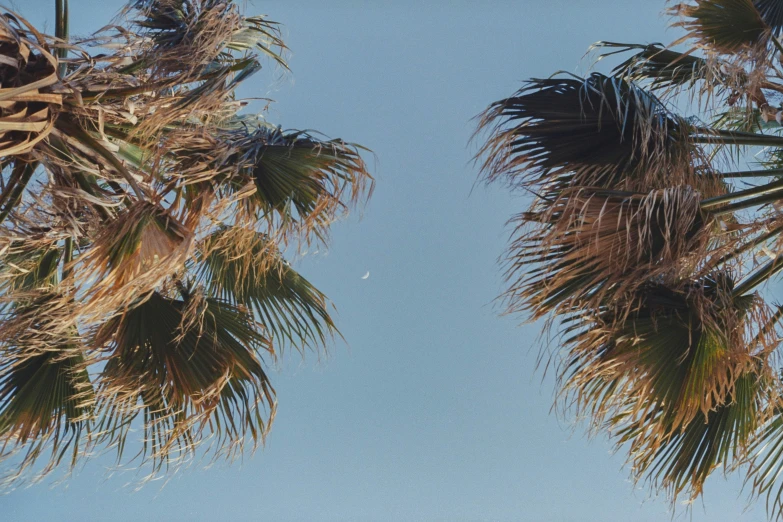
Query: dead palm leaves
(142, 225)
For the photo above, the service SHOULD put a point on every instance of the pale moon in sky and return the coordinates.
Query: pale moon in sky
(365, 276)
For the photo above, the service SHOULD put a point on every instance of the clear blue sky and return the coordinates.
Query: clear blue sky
(434, 410)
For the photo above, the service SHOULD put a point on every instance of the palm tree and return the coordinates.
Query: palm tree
(143, 225)
(646, 242)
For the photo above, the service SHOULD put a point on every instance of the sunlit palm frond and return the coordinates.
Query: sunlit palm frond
(680, 350)
(681, 461)
(304, 180)
(132, 256)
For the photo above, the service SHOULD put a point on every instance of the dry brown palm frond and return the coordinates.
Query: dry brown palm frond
(130, 258)
(589, 245)
(28, 108)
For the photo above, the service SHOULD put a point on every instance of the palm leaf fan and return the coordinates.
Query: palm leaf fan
(672, 357)
(681, 461)
(590, 244)
(188, 378)
(301, 181)
(245, 268)
(46, 397)
(600, 131)
(728, 26)
(771, 11)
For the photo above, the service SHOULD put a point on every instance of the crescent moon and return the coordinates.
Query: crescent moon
(365, 276)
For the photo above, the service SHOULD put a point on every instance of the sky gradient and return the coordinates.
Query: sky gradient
(434, 409)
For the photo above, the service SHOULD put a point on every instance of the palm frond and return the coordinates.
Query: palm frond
(591, 244)
(189, 377)
(600, 131)
(245, 268)
(303, 180)
(726, 26)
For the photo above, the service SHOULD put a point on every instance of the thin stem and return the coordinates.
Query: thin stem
(61, 32)
(67, 257)
(777, 45)
(758, 277)
(752, 202)
(748, 174)
(769, 188)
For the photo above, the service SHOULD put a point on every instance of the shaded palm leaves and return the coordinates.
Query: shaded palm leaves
(560, 132)
(636, 234)
(142, 220)
(186, 377)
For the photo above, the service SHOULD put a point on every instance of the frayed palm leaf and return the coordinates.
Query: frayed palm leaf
(28, 70)
(684, 378)
(679, 351)
(45, 401)
(191, 367)
(131, 257)
(590, 244)
(726, 26)
(600, 131)
(664, 67)
(681, 461)
(303, 180)
(245, 268)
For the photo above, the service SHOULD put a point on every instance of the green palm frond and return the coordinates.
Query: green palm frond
(664, 67)
(302, 179)
(681, 461)
(245, 268)
(189, 377)
(677, 350)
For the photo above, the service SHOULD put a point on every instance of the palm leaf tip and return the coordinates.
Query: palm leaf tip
(568, 131)
(191, 375)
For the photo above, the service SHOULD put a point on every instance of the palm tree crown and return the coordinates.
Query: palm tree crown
(645, 243)
(143, 224)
